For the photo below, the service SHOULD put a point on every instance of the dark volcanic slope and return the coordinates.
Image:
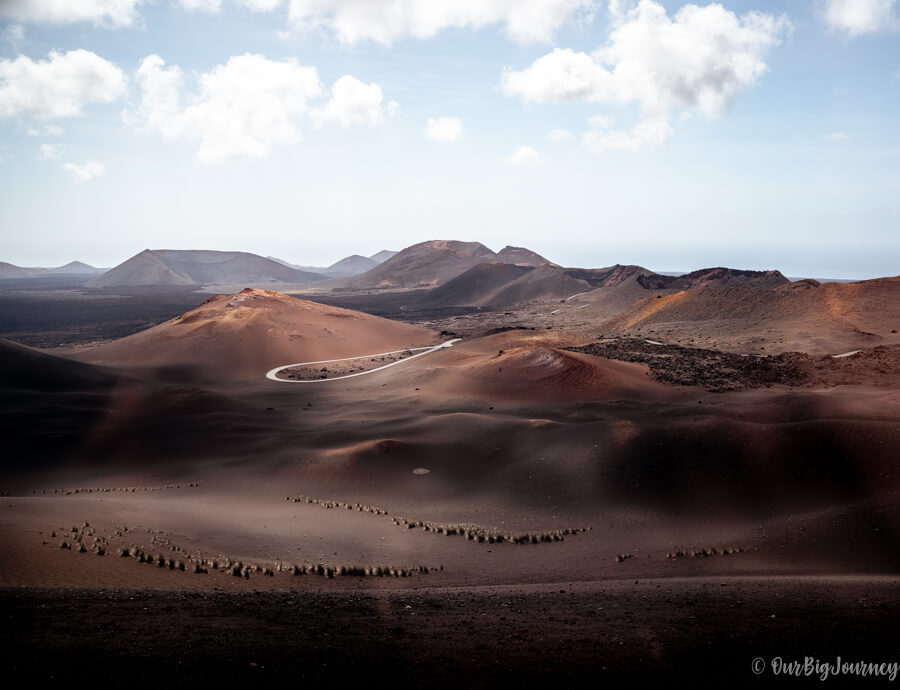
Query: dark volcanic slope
(476, 286)
(176, 267)
(433, 263)
(718, 277)
(724, 371)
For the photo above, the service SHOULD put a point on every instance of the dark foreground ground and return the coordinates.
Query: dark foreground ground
(703, 632)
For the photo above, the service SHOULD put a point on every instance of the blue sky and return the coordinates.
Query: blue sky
(746, 134)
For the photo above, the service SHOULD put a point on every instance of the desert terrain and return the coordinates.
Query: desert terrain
(603, 474)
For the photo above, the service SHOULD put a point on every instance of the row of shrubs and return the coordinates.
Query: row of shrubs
(337, 504)
(360, 571)
(471, 532)
(83, 539)
(705, 553)
(487, 536)
(77, 539)
(110, 489)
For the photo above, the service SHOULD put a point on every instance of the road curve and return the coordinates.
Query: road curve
(271, 374)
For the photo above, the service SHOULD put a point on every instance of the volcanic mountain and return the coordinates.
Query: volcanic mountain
(352, 265)
(433, 263)
(382, 256)
(714, 277)
(167, 267)
(242, 336)
(832, 318)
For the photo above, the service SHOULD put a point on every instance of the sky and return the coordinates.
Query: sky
(749, 133)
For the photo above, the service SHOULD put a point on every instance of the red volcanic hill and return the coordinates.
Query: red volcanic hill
(830, 318)
(243, 336)
(188, 267)
(433, 263)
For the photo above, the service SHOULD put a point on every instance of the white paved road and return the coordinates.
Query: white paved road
(272, 374)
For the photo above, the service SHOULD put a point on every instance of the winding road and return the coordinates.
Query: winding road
(272, 374)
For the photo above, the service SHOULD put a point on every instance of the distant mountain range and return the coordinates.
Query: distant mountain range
(8, 270)
(349, 266)
(448, 273)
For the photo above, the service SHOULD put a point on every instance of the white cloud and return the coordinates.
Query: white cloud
(111, 13)
(836, 136)
(562, 75)
(857, 17)
(260, 5)
(86, 172)
(698, 60)
(50, 152)
(384, 21)
(524, 155)
(246, 106)
(352, 103)
(242, 109)
(445, 130)
(59, 86)
(648, 134)
(559, 135)
(210, 6)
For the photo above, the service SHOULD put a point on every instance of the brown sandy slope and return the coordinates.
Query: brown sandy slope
(830, 319)
(186, 267)
(244, 335)
(514, 366)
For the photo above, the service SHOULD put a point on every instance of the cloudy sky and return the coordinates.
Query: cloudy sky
(753, 133)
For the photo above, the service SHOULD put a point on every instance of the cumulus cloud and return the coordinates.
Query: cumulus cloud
(445, 130)
(560, 135)
(352, 103)
(384, 21)
(86, 172)
(111, 13)
(700, 59)
(857, 17)
(524, 155)
(59, 86)
(836, 136)
(648, 134)
(246, 106)
(697, 60)
(210, 6)
(50, 152)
